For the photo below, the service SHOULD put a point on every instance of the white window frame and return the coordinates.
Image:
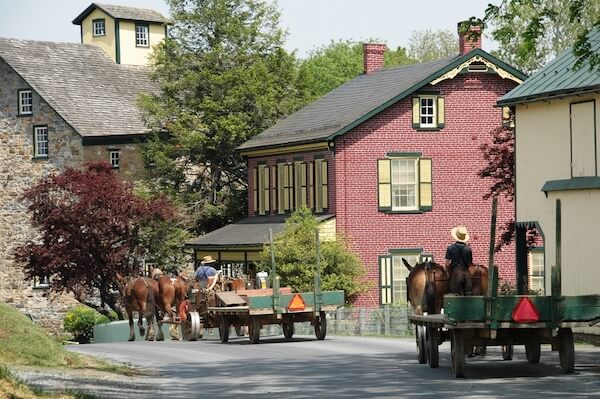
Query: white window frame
(114, 157)
(400, 273)
(400, 181)
(142, 35)
(428, 111)
(25, 108)
(99, 27)
(536, 270)
(40, 141)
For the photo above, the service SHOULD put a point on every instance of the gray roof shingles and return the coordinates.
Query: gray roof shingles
(345, 104)
(558, 77)
(92, 93)
(123, 12)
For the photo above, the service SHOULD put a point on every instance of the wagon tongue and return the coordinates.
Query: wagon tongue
(525, 311)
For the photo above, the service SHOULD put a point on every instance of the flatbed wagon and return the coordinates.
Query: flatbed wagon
(255, 308)
(495, 320)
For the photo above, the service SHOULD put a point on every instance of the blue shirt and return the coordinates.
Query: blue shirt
(204, 272)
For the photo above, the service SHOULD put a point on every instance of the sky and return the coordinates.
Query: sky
(310, 23)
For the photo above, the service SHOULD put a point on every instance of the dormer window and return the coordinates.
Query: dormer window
(98, 27)
(428, 112)
(25, 102)
(141, 35)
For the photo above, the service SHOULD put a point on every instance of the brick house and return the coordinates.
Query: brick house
(62, 105)
(388, 160)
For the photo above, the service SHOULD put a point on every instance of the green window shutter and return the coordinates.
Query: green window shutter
(386, 280)
(291, 187)
(318, 191)
(274, 188)
(255, 189)
(324, 185)
(416, 113)
(311, 185)
(266, 190)
(286, 189)
(281, 188)
(384, 180)
(425, 190)
(261, 189)
(297, 184)
(441, 111)
(303, 200)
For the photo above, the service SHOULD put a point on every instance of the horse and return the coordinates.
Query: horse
(169, 292)
(139, 296)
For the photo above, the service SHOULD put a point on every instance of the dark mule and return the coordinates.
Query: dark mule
(169, 292)
(426, 285)
(139, 297)
(479, 279)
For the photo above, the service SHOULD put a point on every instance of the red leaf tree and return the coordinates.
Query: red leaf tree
(91, 227)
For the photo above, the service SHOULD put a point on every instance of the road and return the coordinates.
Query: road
(339, 367)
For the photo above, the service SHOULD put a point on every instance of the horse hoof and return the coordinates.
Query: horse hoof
(131, 339)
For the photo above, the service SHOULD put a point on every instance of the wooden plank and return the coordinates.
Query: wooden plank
(263, 291)
(230, 298)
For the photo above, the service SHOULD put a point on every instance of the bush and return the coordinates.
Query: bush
(81, 321)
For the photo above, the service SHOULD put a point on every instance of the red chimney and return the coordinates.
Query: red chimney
(373, 56)
(467, 43)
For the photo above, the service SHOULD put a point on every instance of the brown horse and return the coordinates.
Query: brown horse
(169, 292)
(427, 283)
(139, 297)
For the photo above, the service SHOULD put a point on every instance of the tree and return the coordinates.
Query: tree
(224, 77)
(91, 227)
(332, 65)
(532, 32)
(295, 258)
(430, 45)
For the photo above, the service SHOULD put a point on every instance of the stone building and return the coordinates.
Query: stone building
(62, 105)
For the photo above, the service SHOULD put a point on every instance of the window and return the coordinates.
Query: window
(261, 189)
(25, 102)
(404, 181)
(41, 282)
(141, 35)
(114, 157)
(536, 270)
(393, 273)
(428, 112)
(40, 141)
(98, 27)
(583, 139)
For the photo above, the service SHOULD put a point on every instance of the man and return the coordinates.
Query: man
(458, 259)
(205, 270)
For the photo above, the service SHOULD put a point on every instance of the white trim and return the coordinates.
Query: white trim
(22, 105)
(401, 185)
(40, 141)
(431, 111)
(114, 157)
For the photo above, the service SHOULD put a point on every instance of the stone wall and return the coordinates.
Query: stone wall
(131, 163)
(19, 171)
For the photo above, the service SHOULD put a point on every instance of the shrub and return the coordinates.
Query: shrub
(81, 321)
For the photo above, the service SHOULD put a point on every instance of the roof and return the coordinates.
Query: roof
(249, 232)
(340, 110)
(123, 12)
(558, 78)
(92, 93)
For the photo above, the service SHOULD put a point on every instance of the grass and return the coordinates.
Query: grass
(22, 343)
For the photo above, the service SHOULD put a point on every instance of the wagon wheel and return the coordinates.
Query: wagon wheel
(566, 352)
(432, 347)
(224, 328)
(190, 327)
(321, 326)
(421, 347)
(507, 352)
(458, 353)
(533, 352)
(288, 328)
(254, 328)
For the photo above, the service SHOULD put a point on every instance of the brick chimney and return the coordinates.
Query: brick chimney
(466, 43)
(373, 56)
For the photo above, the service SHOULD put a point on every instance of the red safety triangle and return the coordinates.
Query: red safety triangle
(525, 311)
(297, 303)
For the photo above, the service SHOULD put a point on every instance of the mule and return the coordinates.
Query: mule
(139, 297)
(169, 292)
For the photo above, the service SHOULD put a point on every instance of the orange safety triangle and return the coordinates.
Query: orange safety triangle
(297, 303)
(525, 311)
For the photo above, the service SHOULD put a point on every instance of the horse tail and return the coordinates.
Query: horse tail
(430, 293)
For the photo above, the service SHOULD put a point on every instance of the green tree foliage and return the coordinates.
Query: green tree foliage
(430, 45)
(295, 259)
(532, 32)
(332, 65)
(92, 227)
(224, 77)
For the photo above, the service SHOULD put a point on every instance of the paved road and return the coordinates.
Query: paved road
(344, 367)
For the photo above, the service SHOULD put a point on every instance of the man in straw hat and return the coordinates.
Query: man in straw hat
(205, 270)
(458, 259)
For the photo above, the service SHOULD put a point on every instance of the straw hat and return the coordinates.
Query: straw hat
(460, 233)
(207, 259)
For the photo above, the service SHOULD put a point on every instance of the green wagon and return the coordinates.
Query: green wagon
(494, 320)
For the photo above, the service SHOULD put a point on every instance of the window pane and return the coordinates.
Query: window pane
(41, 141)
(400, 273)
(404, 184)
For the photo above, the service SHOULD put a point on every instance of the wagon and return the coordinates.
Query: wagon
(255, 308)
(493, 320)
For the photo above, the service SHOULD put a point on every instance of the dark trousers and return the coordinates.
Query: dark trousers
(460, 281)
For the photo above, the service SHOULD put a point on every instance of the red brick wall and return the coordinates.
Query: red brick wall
(457, 190)
(306, 157)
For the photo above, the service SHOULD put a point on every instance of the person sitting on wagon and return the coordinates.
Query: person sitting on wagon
(205, 273)
(458, 259)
